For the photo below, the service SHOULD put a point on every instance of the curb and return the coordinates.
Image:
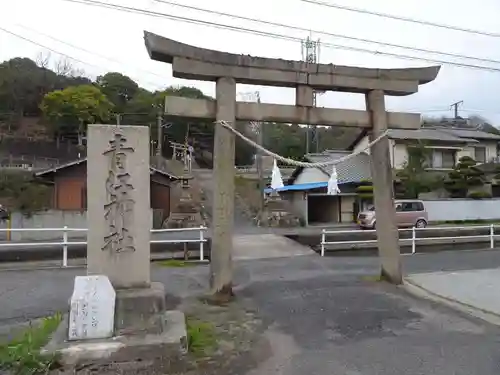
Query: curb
(418, 291)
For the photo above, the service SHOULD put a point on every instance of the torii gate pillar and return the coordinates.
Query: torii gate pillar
(224, 172)
(387, 231)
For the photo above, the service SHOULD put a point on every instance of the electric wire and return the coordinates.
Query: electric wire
(276, 35)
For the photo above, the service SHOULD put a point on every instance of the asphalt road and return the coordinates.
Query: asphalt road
(323, 316)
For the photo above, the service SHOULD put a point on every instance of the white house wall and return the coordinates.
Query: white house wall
(491, 150)
(399, 155)
(364, 142)
(399, 152)
(311, 175)
(466, 151)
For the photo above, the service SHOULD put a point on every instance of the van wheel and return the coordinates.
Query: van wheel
(373, 226)
(420, 224)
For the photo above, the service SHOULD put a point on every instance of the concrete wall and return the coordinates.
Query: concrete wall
(47, 219)
(298, 203)
(463, 209)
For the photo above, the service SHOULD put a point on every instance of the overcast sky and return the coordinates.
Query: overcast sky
(114, 41)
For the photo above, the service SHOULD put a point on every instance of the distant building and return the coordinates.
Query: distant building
(447, 144)
(69, 183)
(306, 190)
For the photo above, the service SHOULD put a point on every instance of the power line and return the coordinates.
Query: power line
(86, 50)
(404, 19)
(56, 51)
(303, 29)
(275, 35)
(48, 48)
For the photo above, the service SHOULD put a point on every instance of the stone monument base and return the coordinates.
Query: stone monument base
(139, 311)
(170, 344)
(277, 214)
(142, 330)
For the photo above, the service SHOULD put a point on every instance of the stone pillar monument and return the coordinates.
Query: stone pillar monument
(119, 211)
(119, 223)
(117, 303)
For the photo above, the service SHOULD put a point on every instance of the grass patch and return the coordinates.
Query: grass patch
(175, 263)
(201, 336)
(21, 356)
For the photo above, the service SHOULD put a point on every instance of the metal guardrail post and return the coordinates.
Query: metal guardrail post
(413, 240)
(65, 246)
(323, 240)
(9, 227)
(492, 236)
(202, 242)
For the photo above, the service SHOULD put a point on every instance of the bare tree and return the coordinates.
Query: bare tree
(65, 67)
(43, 60)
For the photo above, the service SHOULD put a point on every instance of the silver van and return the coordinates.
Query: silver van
(409, 213)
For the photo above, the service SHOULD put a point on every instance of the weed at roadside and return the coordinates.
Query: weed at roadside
(174, 263)
(21, 356)
(201, 336)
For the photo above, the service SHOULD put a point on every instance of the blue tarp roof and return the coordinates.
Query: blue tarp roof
(312, 185)
(308, 186)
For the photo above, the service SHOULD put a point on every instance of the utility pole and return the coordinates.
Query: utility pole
(159, 142)
(255, 96)
(310, 54)
(260, 167)
(118, 119)
(455, 106)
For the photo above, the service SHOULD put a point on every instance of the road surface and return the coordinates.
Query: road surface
(323, 316)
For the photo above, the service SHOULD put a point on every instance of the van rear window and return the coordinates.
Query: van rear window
(412, 206)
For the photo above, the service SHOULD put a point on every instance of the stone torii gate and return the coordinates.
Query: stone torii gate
(227, 69)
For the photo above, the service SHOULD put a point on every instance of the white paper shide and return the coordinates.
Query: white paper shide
(92, 308)
(333, 187)
(276, 179)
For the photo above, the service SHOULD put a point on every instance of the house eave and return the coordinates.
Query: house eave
(48, 173)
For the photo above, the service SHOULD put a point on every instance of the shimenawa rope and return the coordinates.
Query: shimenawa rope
(288, 161)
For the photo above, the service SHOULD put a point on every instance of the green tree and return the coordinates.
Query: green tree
(23, 193)
(118, 88)
(286, 140)
(69, 111)
(23, 84)
(145, 107)
(414, 177)
(464, 176)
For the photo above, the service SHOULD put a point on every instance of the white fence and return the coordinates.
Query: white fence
(414, 237)
(201, 240)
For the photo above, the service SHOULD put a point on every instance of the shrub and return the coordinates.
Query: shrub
(479, 195)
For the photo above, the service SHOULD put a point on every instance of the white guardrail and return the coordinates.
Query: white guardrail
(65, 243)
(414, 238)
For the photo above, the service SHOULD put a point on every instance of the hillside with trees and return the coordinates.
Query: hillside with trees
(54, 102)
